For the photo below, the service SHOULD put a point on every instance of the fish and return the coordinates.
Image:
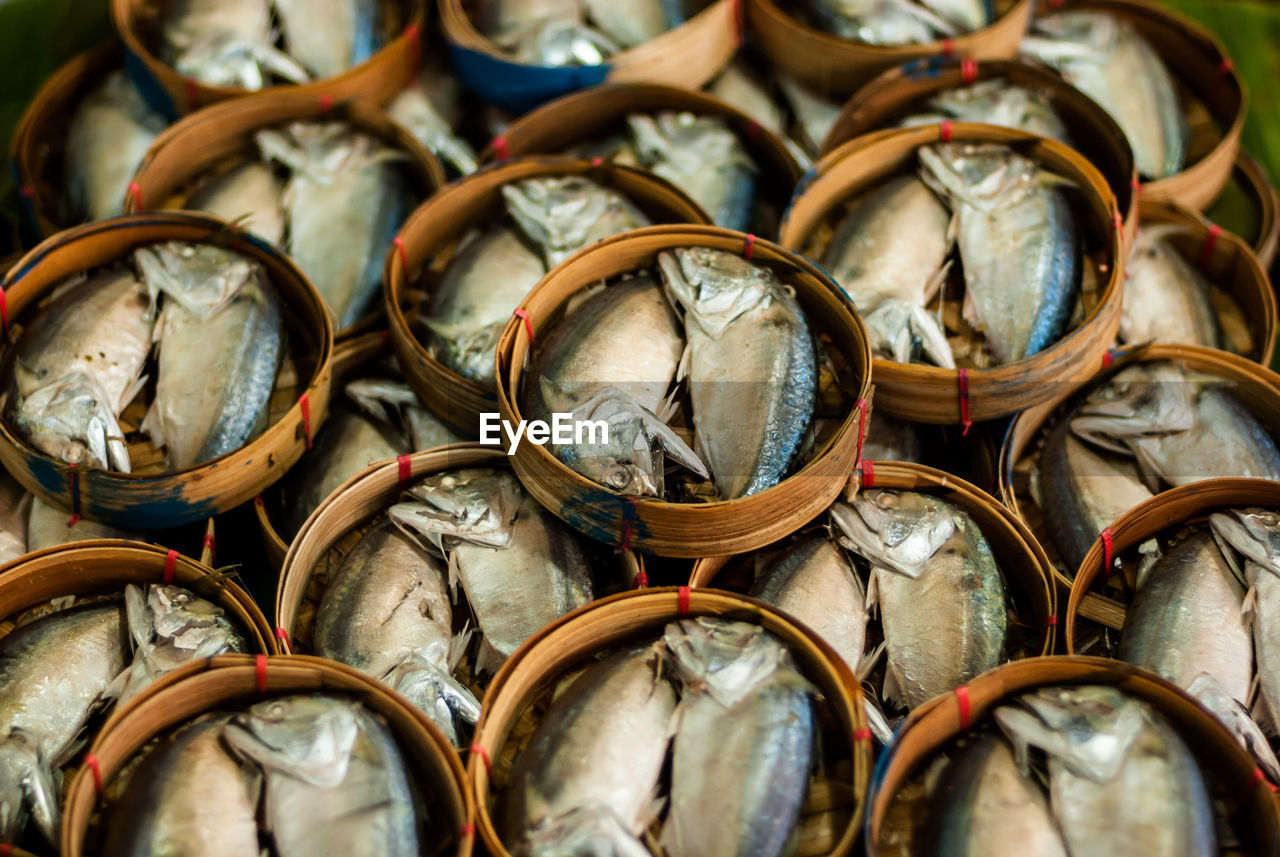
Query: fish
(815, 582)
(187, 796)
(15, 504)
(1018, 244)
(614, 357)
(386, 399)
(965, 15)
(1121, 779)
(563, 214)
(386, 611)
(1187, 619)
(545, 32)
(594, 760)
(995, 102)
(335, 780)
(744, 740)
(1178, 429)
(417, 112)
(225, 43)
(330, 36)
(751, 405)
(890, 256)
(111, 129)
(485, 281)
(249, 195)
(984, 805)
(632, 24)
(221, 341)
(345, 198)
(1108, 60)
(740, 86)
(55, 672)
(702, 156)
(1082, 491)
(880, 22)
(1233, 714)
(939, 588)
(815, 113)
(519, 567)
(1165, 298)
(170, 627)
(79, 363)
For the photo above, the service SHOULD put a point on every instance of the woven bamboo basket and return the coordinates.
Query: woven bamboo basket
(337, 525)
(1252, 178)
(1254, 386)
(522, 689)
(691, 530)
(1230, 265)
(602, 110)
(837, 66)
(687, 55)
(899, 804)
(35, 150)
(1212, 93)
(1033, 622)
(221, 136)
(899, 92)
(151, 497)
(231, 682)
(934, 395)
(1101, 592)
(426, 245)
(376, 80)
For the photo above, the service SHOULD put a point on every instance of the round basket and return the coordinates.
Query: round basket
(686, 55)
(1255, 387)
(829, 820)
(1261, 227)
(898, 805)
(429, 237)
(934, 395)
(837, 66)
(236, 681)
(163, 499)
(689, 530)
(376, 80)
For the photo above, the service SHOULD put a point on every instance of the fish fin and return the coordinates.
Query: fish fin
(458, 645)
(488, 659)
(877, 720)
(873, 594)
(932, 338)
(867, 663)
(939, 278)
(686, 360)
(893, 690)
(969, 311)
(44, 792)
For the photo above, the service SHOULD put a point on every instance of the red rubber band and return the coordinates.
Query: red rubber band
(641, 581)
(862, 734)
(962, 701)
(1052, 620)
(750, 249)
(499, 146)
(5, 849)
(406, 467)
(861, 405)
(283, 636)
(968, 70)
(170, 563)
(260, 671)
(1210, 241)
(484, 756)
(682, 601)
(192, 93)
(627, 526)
(753, 130)
(964, 402)
(1107, 357)
(1117, 221)
(739, 23)
(528, 325)
(1135, 184)
(1106, 552)
(868, 474)
(466, 830)
(944, 130)
(4, 312)
(597, 161)
(326, 103)
(415, 53)
(948, 48)
(305, 404)
(135, 194)
(73, 482)
(208, 543)
(398, 242)
(91, 762)
(1226, 66)
(1254, 778)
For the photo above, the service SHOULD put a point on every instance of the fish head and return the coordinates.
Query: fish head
(897, 530)
(724, 659)
(380, 398)
(982, 175)
(201, 277)
(562, 214)
(715, 287)
(585, 831)
(307, 737)
(475, 505)
(1146, 399)
(1253, 532)
(71, 420)
(561, 42)
(1090, 729)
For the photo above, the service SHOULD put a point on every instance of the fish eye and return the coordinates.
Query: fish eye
(618, 477)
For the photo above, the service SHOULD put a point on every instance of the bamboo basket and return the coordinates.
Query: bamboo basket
(337, 525)
(1021, 559)
(522, 689)
(836, 66)
(236, 682)
(153, 498)
(1213, 95)
(690, 530)
(1256, 388)
(974, 457)
(35, 150)
(898, 803)
(426, 245)
(1230, 265)
(897, 93)
(934, 395)
(602, 110)
(376, 80)
(221, 136)
(1100, 598)
(687, 55)
(1252, 178)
